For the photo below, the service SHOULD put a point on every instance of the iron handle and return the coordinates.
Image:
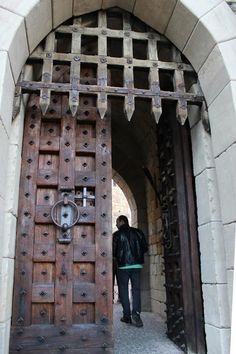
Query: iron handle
(66, 201)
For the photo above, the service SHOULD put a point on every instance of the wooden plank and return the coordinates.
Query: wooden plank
(102, 67)
(75, 67)
(154, 78)
(87, 179)
(26, 213)
(193, 255)
(44, 252)
(103, 270)
(47, 338)
(94, 59)
(119, 91)
(84, 292)
(84, 253)
(45, 94)
(129, 104)
(67, 151)
(43, 293)
(113, 33)
(179, 85)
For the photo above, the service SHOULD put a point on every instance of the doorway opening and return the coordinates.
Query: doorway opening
(93, 78)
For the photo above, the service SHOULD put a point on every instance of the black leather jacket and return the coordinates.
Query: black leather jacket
(129, 246)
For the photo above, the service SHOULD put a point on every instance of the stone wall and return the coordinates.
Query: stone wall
(120, 205)
(208, 40)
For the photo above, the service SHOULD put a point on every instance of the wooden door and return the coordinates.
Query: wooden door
(62, 290)
(185, 319)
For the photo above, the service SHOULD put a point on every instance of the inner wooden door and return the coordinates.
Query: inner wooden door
(62, 289)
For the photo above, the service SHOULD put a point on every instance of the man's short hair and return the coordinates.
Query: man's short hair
(124, 219)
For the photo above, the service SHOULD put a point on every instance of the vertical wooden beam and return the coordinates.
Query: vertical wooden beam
(154, 77)
(75, 67)
(179, 87)
(103, 273)
(102, 64)
(128, 68)
(45, 94)
(26, 215)
(64, 252)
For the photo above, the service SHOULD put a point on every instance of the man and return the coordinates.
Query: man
(129, 246)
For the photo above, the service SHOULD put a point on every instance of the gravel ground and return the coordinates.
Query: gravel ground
(149, 339)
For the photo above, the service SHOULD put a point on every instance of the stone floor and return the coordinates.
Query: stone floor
(150, 339)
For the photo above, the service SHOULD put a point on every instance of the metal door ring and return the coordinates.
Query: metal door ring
(74, 205)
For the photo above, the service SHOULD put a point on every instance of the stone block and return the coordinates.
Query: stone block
(38, 22)
(4, 336)
(156, 13)
(123, 4)
(6, 287)
(230, 280)
(17, 128)
(106, 4)
(226, 176)
(9, 236)
(229, 241)
(7, 89)
(218, 340)
(158, 295)
(38, 18)
(3, 158)
(222, 114)
(208, 207)
(62, 10)
(218, 70)
(155, 306)
(216, 306)
(13, 40)
(211, 240)
(2, 210)
(217, 25)
(83, 6)
(190, 11)
(13, 179)
(202, 149)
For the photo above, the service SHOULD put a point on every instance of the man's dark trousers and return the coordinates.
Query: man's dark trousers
(134, 275)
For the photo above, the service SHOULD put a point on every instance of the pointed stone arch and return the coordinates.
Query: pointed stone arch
(207, 40)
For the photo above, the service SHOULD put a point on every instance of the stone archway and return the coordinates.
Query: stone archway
(207, 42)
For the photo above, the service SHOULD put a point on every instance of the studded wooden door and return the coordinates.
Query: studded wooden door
(62, 290)
(185, 321)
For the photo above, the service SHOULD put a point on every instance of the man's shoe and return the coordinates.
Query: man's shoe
(126, 319)
(137, 320)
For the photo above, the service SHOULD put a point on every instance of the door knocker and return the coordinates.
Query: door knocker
(69, 216)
